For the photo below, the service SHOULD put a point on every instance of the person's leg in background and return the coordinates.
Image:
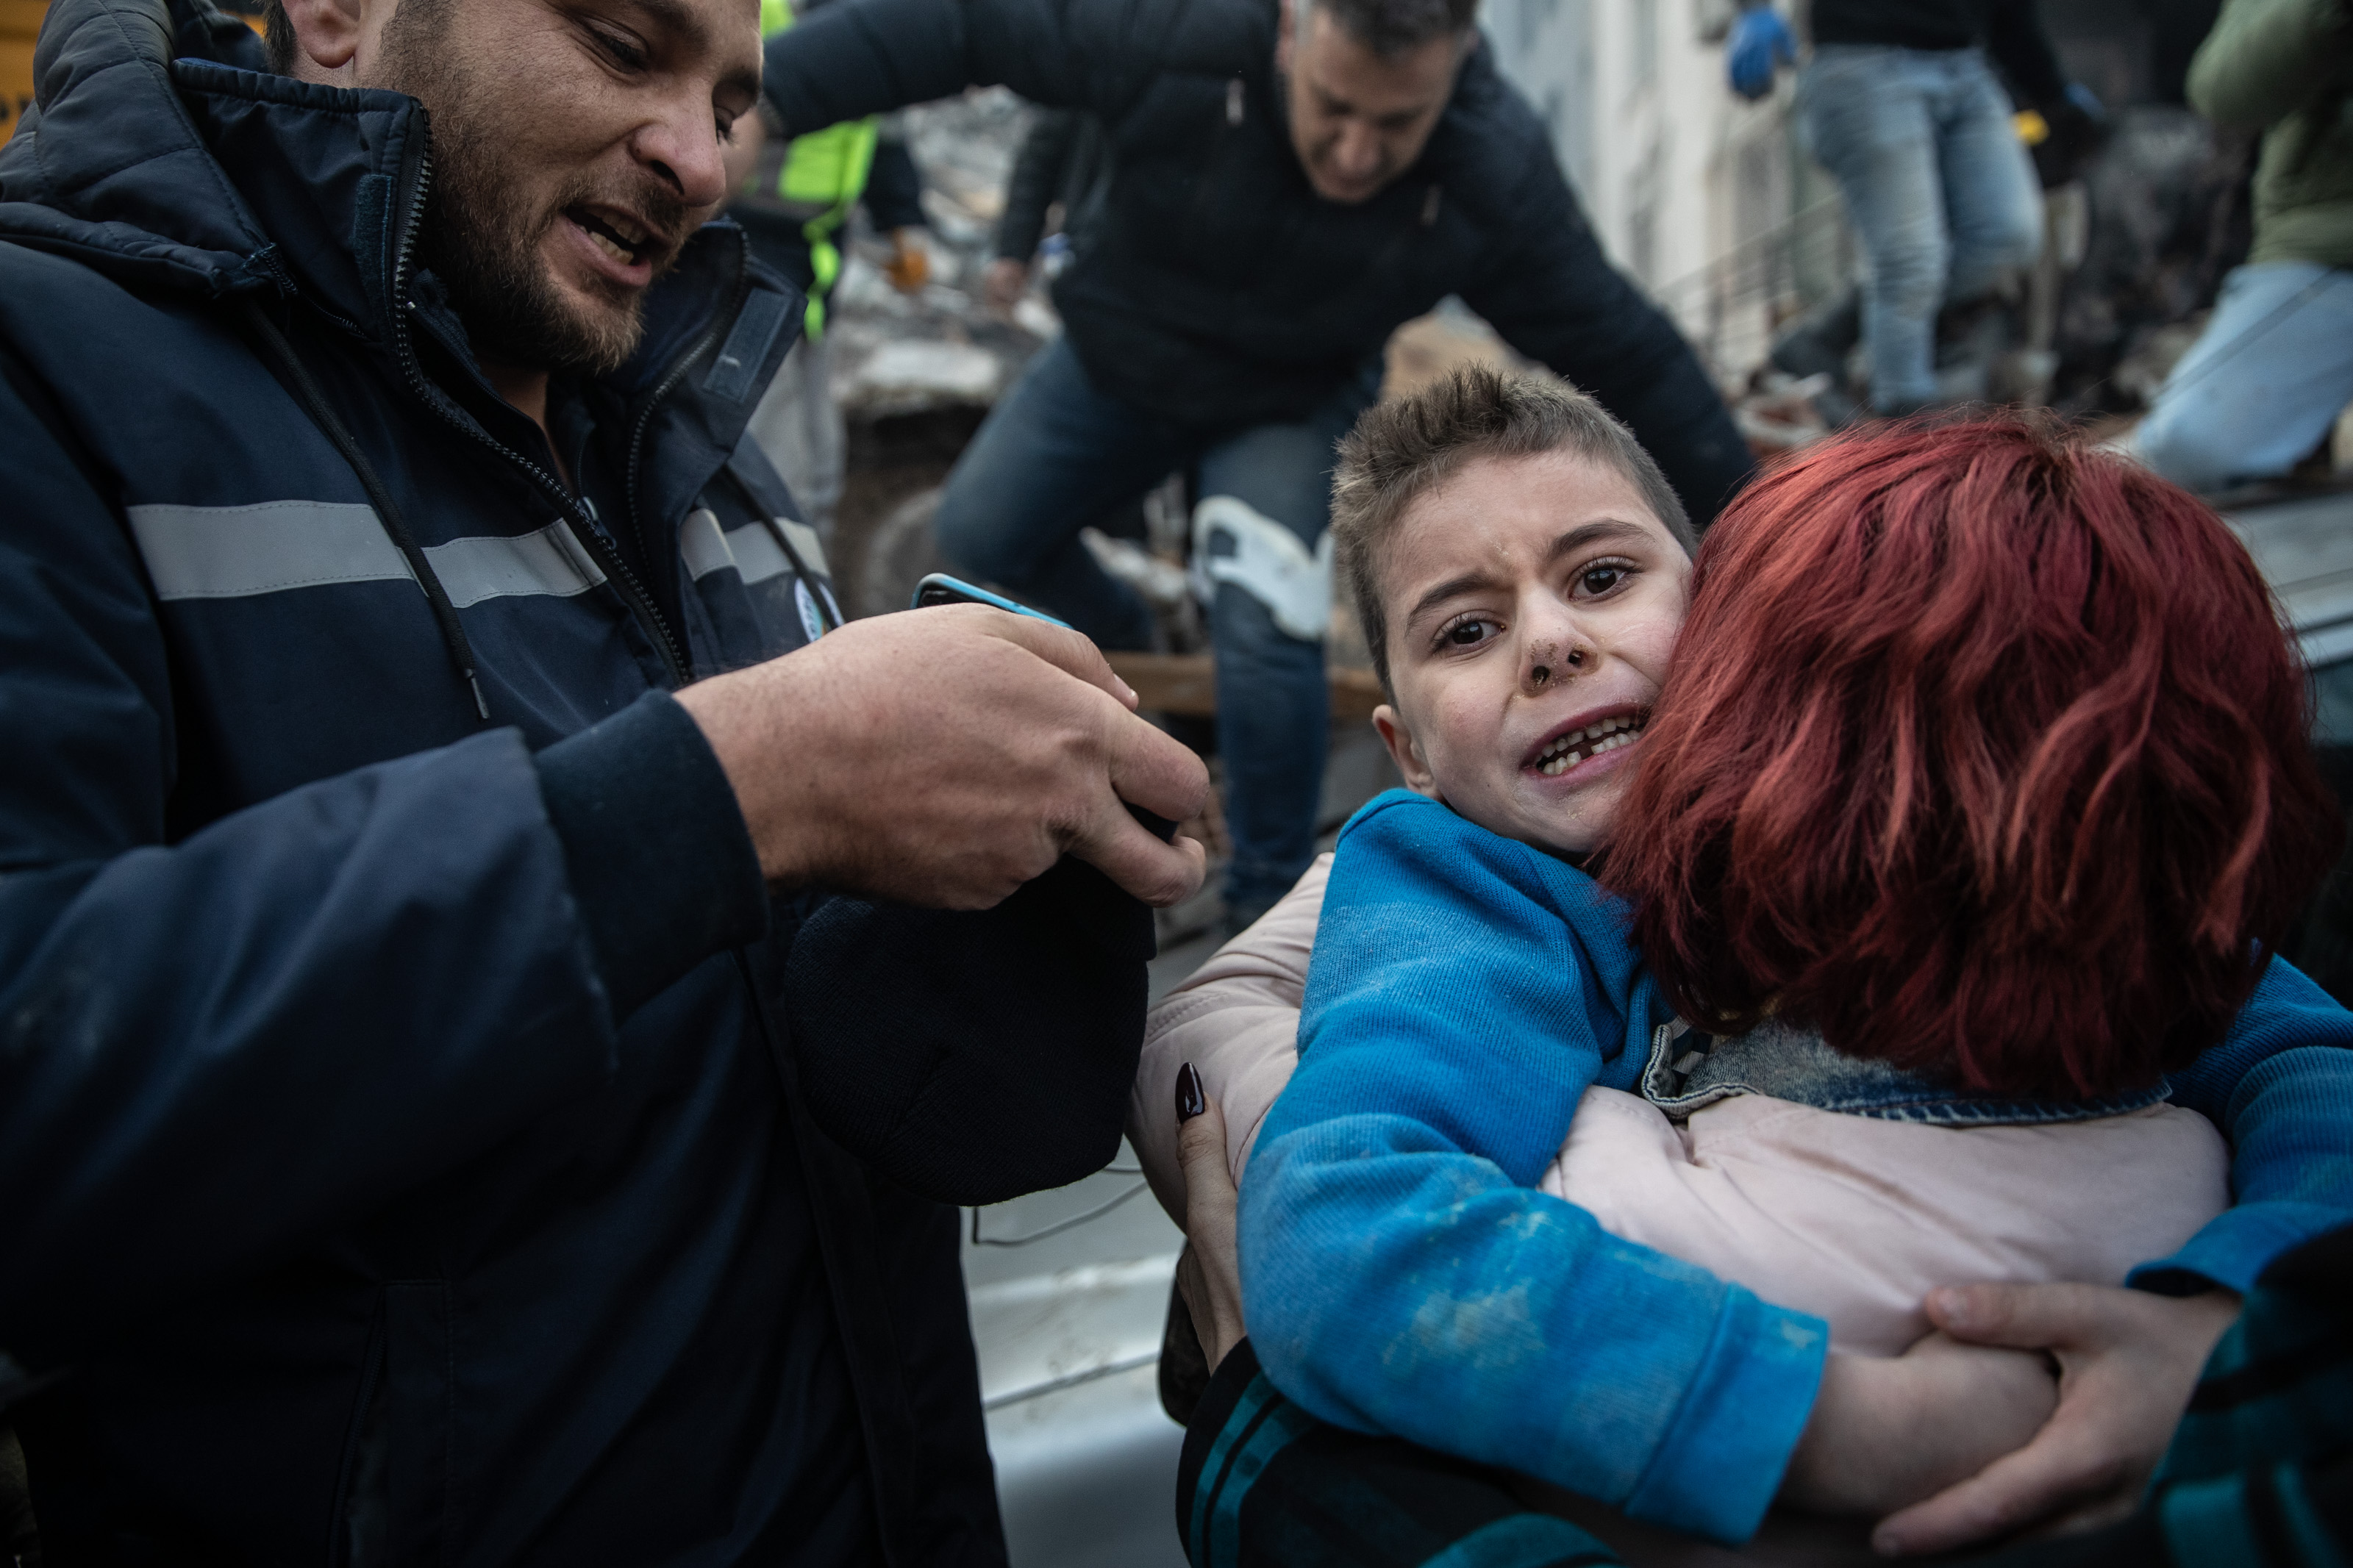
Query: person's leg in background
(1258, 544)
(2262, 385)
(799, 428)
(1864, 111)
(1055, 455)
(1993, 200)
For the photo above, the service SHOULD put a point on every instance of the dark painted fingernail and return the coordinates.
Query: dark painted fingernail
(1190, 1101)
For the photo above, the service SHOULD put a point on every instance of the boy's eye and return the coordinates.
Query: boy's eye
(1602, 576)
(1467, 633)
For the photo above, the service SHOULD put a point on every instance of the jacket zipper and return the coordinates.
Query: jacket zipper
(677, 373)
(275, 270)
(616, 570)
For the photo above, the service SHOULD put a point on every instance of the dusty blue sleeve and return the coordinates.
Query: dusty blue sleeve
(1401, 1275)
(2280, 1087)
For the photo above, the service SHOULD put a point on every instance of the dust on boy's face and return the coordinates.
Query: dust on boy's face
(1533, 605)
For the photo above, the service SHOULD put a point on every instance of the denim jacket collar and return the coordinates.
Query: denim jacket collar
(1688, 1072)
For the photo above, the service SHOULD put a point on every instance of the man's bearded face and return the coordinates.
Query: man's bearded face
(550, 217)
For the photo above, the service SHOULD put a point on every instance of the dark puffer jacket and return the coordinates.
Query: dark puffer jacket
(1218, 287)
(419, 1134)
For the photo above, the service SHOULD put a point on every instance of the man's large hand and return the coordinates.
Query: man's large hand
(942, 757)
(2128, 1362)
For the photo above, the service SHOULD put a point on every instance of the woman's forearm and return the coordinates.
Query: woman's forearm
(1235, 1021)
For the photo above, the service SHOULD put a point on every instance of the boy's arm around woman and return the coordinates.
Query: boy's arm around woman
(1668, 1392)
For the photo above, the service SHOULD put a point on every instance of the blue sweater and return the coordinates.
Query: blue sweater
(1401, 1274)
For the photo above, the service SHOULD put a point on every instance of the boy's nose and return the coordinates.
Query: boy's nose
(1554, 660)
(1551, 661)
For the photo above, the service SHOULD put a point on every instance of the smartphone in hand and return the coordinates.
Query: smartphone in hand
(939, 588)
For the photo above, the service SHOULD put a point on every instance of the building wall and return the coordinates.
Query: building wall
(1687, 185)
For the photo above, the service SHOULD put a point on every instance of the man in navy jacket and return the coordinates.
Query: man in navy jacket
(440, 1116)
(1291, 181)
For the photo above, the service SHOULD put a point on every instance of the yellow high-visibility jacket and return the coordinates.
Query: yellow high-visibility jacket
(825, 170)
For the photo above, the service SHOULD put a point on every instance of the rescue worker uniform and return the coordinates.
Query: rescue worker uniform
(422, 1135)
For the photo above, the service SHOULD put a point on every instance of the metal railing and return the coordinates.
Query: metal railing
(1731, 308)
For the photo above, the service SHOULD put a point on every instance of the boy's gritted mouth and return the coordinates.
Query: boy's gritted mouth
(1585, 737)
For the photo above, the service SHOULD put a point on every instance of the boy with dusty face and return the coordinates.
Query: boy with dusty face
(1523, 609)
(1522, 569)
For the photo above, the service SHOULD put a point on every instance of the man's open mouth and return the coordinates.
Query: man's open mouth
(615, 236)
(1565, 752)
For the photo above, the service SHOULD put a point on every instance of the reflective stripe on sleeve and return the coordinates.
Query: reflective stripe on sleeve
(751, 549)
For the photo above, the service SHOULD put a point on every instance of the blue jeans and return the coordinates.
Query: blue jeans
(1941, 192)
(2263, 383)
(1058, 453)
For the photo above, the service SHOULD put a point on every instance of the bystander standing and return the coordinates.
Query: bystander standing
(2267, 380)
(1291, 185)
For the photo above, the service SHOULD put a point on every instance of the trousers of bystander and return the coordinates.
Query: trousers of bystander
(1941, 191)
(2263, 383)
(1058, 453)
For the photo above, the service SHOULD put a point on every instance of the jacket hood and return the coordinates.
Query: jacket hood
(118, 164)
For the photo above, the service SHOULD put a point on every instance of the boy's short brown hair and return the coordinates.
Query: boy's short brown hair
(1406, 446)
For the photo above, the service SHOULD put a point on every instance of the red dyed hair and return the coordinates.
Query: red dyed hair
(1983, 752)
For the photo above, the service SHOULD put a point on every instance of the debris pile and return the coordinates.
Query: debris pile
(897, 354)
(915, 374)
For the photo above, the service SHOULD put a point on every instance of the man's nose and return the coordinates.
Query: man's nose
(1357, 155)
(683, 151)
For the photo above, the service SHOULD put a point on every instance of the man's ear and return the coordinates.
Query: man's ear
(327, 36)
(1286, 36)
(1404, 752)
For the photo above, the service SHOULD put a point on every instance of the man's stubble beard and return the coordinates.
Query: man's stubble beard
(482, 232)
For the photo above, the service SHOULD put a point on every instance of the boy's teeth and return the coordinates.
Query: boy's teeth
(1602, 735)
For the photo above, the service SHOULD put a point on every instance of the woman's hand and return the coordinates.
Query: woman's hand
(2128, 1362)
(1887, 1431)
(1207, 1275)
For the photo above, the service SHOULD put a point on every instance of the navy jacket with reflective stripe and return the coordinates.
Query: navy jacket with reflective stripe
(420, 1135)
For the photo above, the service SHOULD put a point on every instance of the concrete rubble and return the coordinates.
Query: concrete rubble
(896, 354)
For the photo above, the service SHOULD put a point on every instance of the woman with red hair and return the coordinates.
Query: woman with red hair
(1970, 806)
(1984, 754)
